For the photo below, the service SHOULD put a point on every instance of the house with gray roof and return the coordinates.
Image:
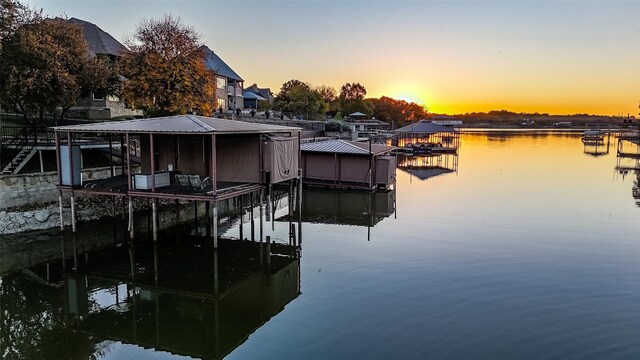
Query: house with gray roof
(99, 105)
(229, 85)
(99, 41)
(253, 94)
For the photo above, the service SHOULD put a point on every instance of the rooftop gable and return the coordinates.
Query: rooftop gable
(99, 41)
(214, 63)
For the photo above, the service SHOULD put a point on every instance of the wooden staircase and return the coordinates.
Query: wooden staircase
(19, 161)
(20, 142)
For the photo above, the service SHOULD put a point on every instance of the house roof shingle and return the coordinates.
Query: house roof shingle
(214, 63)
(100, 42)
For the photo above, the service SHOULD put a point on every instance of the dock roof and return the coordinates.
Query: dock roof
(179, 124)
(425, 127)
(345, 147)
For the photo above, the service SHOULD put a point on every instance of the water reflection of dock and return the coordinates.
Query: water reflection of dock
(344, 208)
(596, 142)
(628, 154)
(179, 296)
(428, 166)
(628, 161)
(182, 297)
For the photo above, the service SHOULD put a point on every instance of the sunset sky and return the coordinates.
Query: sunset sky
(455, 57)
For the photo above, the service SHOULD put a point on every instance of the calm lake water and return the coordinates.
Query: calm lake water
(527, 247)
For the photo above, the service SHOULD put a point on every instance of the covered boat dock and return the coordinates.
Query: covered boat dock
(348, 164)
(425, 136)
(184, 157)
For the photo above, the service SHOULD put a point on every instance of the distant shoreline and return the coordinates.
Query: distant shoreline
(540, 129)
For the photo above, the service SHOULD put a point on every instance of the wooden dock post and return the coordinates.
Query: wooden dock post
(268, 208)
(73, 212)
(207, 214)
(268, 252)
(61, 216)
(241, 212)
(253, 223)
(261, 206)
(214, 204)
(131, 226)
(154, 213)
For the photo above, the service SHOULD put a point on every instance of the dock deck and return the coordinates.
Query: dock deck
(118, 185)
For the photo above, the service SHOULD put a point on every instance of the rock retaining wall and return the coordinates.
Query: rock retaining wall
(37, 189)
(89, 208)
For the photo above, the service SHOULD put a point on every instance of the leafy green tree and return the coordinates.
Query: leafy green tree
(166, 71)
(352, 100)
(299, 98)
(330, 96)
(397, 112)
(46, 67)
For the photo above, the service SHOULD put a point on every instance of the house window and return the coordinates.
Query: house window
(221, 83)
(99, 95)
(221, 103)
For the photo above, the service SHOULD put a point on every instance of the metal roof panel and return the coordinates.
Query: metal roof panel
(179, 124)
(344, 147)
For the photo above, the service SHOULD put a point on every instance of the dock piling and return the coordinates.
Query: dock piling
(261, 217)
(61, 215)
(253, 223)
(131, 232)
(241, 213)
(73, 213)
(154, 213)
(214, 204)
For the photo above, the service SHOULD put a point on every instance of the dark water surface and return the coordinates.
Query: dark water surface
(528, 249)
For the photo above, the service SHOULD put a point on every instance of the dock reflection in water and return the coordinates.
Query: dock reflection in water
(428, 166)
(628, 162)
(177, 295)
(344, 208)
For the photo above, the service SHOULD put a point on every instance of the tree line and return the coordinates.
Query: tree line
(300, 98)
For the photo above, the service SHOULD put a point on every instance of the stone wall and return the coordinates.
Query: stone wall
(96, 207)
(37, 189)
